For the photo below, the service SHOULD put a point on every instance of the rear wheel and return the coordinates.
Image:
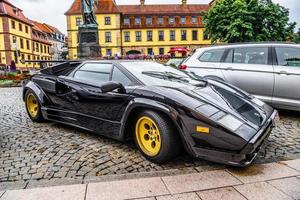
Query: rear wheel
(33, 107)
(156, 137)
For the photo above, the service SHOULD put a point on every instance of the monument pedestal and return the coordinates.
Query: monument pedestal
(88, 47)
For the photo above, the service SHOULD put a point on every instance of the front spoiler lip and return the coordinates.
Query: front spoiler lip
(247, 155)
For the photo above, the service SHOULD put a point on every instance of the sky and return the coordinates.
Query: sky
(52, 11)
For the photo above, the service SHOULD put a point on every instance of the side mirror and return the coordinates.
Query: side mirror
(110, 86)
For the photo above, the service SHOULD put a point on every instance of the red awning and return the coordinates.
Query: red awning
(179, 50)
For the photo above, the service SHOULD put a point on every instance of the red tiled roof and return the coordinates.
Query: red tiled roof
(163, 9)
(39, 27)
(52, 29)
(6, 8)
(102, 7)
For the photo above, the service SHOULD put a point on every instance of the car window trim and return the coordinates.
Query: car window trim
(128, 74)
(208, 51)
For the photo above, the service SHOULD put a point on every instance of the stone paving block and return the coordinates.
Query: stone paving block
(126, 189)
(261, 191)
(295, 164)
(257, 173)
(221, 194)
(290, 186)
(185, 196)
(12, 185)
(199, 181)
(74, 192)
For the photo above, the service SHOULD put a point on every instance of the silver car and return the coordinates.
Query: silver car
(269, 71)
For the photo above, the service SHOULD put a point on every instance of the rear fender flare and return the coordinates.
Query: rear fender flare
(42, 97)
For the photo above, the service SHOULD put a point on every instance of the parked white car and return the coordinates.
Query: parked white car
(269, 71)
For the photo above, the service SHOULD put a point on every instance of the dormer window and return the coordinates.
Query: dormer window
(172, 20)
(126, 21)
(16, 11)
(149, 20)
(138, 21)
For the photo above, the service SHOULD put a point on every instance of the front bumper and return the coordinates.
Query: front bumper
(246, 156)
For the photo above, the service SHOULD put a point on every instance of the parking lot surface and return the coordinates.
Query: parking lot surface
(34, 154)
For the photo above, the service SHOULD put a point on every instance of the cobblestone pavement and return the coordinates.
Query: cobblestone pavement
(34, 154)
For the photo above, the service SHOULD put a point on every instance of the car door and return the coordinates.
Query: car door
(250, 68)
(91, 108)
(206, 63)
(287, 77)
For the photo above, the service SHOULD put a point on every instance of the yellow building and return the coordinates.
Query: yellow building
(15, 35)
(144, 29)
(21, 38)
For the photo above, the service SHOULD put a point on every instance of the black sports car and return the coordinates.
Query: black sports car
(160, 107)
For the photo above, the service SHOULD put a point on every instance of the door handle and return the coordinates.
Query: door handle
(228, 68)
(283, 72)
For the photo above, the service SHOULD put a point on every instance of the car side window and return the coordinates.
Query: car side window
(120, 77)
(94, 72)
(251, 55)
(288, 56)
(229, 56)
(212, 56)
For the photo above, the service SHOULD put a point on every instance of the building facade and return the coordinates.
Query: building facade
(22, 38)
(144, 29)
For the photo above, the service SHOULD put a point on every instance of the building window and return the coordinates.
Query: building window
(138, 36)
(28, 44)
(172, 35)
(41, 47)
(107, 36)
(149, 35)
(161, 36)
(29, 58)
(205, 36)
(194, 35)
(20, 27)
(37, 48)
(22, 56)
(138, 21)
(127, 36)
(13, 24)
(149, 20)
(108, 52)
(194, 20)
(183, 35)
(161, 51)
(48, 48)
(26, 29)
(126, 21)
(150, 51)
(78, 21)
(21, 43)
(172, 20)
(107, 21)
(182, 20)
(45, 49)
(160, 20)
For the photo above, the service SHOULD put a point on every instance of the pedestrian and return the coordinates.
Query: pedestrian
(13, 66)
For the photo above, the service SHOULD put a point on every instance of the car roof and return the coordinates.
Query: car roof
(231, 45)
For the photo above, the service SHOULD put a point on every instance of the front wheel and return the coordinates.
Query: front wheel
(33, 106)
(156, 137)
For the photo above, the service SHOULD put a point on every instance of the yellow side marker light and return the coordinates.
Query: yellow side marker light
(202, 129)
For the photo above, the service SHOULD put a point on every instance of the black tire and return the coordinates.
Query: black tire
(170, 141)
(38, 117)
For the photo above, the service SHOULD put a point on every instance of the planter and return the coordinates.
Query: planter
(9, 83)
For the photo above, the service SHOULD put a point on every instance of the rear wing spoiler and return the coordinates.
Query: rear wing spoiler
(59, 67)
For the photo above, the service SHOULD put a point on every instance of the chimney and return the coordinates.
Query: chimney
(142, 2)
(184, 2)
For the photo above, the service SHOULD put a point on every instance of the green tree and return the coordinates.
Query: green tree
(296, 38)
(248, 21)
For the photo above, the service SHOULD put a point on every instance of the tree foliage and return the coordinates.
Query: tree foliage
(248, 21)
(296, 38)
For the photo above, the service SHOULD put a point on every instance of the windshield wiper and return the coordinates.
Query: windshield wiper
(168, 75)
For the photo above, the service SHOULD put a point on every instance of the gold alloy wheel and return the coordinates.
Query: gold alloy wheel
(148, 136)
(32, 105)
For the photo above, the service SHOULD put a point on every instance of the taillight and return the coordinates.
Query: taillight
(183, 67)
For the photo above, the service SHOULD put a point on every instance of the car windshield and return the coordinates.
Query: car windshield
(152, 73)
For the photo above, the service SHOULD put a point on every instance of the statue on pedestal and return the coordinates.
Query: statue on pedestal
(88, 14)
(88, 33)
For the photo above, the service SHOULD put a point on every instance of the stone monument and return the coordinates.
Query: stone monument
(88, 35)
